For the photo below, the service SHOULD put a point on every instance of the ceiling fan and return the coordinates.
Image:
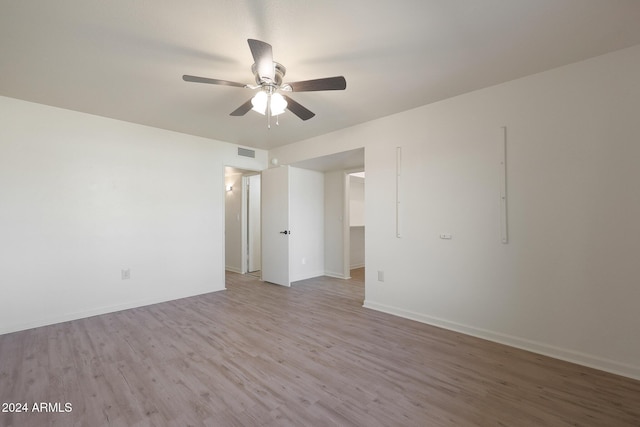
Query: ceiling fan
(268, 75)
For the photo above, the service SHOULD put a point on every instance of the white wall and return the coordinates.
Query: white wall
(567, 283)
(356, 201)
(83, 197)
(356, 247)
(306, 210)
(334, 226)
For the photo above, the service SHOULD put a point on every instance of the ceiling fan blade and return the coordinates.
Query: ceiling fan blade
(263, 57)
(328, 83)
(196, 79)
(243, 109)
(298, 109)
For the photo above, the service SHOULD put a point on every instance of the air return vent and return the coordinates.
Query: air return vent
(246, 152)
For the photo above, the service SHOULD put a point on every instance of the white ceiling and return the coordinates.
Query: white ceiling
(124, 59)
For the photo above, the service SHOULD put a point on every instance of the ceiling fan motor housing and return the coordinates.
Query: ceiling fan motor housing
(278, 75)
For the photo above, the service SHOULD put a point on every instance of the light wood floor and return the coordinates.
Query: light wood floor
(263, 355)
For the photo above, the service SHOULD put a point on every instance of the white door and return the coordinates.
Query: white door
(253, 223)
(275, 225)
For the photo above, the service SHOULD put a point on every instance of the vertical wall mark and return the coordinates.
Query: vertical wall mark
(504, 229)
(398, 176)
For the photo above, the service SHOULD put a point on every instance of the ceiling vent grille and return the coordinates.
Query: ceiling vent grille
(246, 152)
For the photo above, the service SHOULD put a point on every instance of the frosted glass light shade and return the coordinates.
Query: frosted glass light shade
(278, 104)
(259, 102)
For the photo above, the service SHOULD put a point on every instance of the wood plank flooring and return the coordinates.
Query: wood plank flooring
(262, 355)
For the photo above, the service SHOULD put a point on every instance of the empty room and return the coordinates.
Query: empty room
(319, 213)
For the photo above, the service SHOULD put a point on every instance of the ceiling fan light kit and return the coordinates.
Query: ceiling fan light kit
(269, 80)
(265, 102)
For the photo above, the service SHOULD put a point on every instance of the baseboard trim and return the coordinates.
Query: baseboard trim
(336, 275)
(82, 314)
(307, 276)
(233, 269)
(357, 266)
(567, 355)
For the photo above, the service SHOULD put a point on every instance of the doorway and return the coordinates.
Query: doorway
(337, 223)
(242, 221)
(355, 249)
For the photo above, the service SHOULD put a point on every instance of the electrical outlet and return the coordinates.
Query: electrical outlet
(446, 236)
(304, 261)
(126, 274)
(380, 276)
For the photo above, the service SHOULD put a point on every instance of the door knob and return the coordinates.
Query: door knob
(285, 232)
